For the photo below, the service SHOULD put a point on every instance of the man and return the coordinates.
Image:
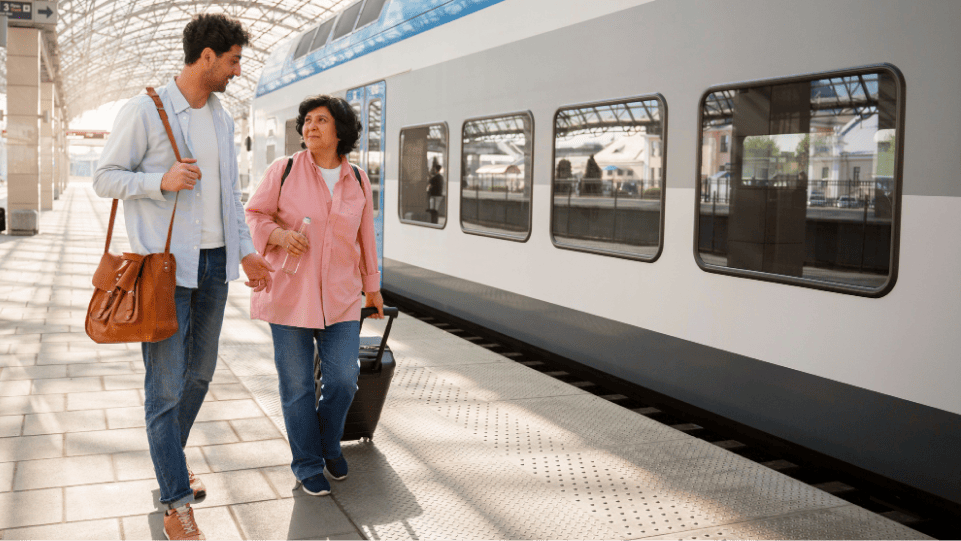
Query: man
(210, 239)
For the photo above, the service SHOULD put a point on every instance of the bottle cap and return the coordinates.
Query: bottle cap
(306, 219)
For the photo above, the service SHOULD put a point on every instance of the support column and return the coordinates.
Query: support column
(23, 130)
(46, 146)
(64, 152)
(57, 129)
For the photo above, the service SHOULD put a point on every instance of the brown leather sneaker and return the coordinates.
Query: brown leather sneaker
(179, 524)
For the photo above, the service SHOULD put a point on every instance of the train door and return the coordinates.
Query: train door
(369, 104)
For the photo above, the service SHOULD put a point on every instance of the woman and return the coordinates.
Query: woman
(321, 301)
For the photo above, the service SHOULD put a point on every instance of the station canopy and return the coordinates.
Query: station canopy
(108, 50)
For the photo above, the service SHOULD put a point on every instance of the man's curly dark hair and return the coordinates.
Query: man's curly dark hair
(214, 30)
(345, 120)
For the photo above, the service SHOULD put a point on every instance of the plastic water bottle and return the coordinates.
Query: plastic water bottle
(292, 262)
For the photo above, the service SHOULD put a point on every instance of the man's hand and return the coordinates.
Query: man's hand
(182, 176)
(258, 272)
(377, 300)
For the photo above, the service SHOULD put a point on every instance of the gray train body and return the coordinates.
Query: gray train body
(869, 377)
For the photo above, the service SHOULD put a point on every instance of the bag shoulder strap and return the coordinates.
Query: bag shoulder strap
(170, 134)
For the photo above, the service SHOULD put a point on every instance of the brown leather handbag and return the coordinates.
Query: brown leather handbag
(133, 296)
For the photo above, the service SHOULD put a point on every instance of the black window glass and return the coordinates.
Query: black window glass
(608, 186)
(346, 21)
(496, 176)
(323, 32)
(423, 174)
(375, 155)
(371, 12)
(304, 43)
(808, 187)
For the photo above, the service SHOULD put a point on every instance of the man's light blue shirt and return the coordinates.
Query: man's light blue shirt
(135, 158)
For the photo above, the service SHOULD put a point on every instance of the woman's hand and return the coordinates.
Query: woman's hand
(377, 300)
(290, 241)
(294, 243)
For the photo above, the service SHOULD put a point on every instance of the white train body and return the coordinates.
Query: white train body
(867, 375)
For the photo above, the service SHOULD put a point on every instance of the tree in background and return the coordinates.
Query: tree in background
(592, 178)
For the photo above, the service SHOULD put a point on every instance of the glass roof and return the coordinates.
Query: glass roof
(111, 49)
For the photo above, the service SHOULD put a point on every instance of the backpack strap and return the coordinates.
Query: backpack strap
(357, 176)
(290, 163)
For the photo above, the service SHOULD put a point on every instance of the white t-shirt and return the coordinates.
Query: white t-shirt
(331, 176)
(203, 138)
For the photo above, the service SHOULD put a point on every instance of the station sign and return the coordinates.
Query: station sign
(31, 13)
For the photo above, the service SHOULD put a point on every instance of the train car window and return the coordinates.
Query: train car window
(800, 180)
(323, 32)
(354, 156)
(375, 155)
(346, 21)
(608, 177)
(423, 175)
(304, 44)
(371, 12)
(495, 184)
(293, 140)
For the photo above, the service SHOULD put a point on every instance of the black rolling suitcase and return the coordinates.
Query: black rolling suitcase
(376, 370)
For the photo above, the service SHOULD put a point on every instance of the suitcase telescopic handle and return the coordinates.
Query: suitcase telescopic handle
(391, 312)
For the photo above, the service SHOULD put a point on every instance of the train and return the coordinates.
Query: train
(743, 206)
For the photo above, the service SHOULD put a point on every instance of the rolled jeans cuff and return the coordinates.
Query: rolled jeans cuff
(189, 498)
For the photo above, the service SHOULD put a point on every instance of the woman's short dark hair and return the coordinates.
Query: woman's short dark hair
(345, 120)
(214, 30)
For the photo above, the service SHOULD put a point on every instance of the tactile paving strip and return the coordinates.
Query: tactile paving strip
(555, 424)
(420, 386)
(845, 522)
(466, 501)
(416, 437)
(693, 493)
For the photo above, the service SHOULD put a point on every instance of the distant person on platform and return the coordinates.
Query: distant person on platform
(210, 239)
(435, 191)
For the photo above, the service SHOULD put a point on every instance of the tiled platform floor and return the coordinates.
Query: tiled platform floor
(470, 444)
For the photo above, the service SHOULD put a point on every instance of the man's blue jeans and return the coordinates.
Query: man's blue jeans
(312, 442)
(179, 370)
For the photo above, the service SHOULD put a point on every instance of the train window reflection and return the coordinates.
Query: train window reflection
(375, 156)
(345, 24)
(798, 179)
(320, 38)
(354, 156)
(371, 12)
(496, 176)
(608, 177)
(423, 174)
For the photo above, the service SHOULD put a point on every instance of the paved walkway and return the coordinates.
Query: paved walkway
(470, 445)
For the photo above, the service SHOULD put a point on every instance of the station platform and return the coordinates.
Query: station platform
(470, 444)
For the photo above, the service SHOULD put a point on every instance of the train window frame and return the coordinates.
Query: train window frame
(662, 101)
(530, 206)
(334, 37)
(400, 155)
(898, 155)
(363, 10)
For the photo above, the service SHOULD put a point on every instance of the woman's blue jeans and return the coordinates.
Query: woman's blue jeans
(178, 373)
(311, 441)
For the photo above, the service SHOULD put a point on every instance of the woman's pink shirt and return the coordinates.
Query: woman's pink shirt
(341, 260)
